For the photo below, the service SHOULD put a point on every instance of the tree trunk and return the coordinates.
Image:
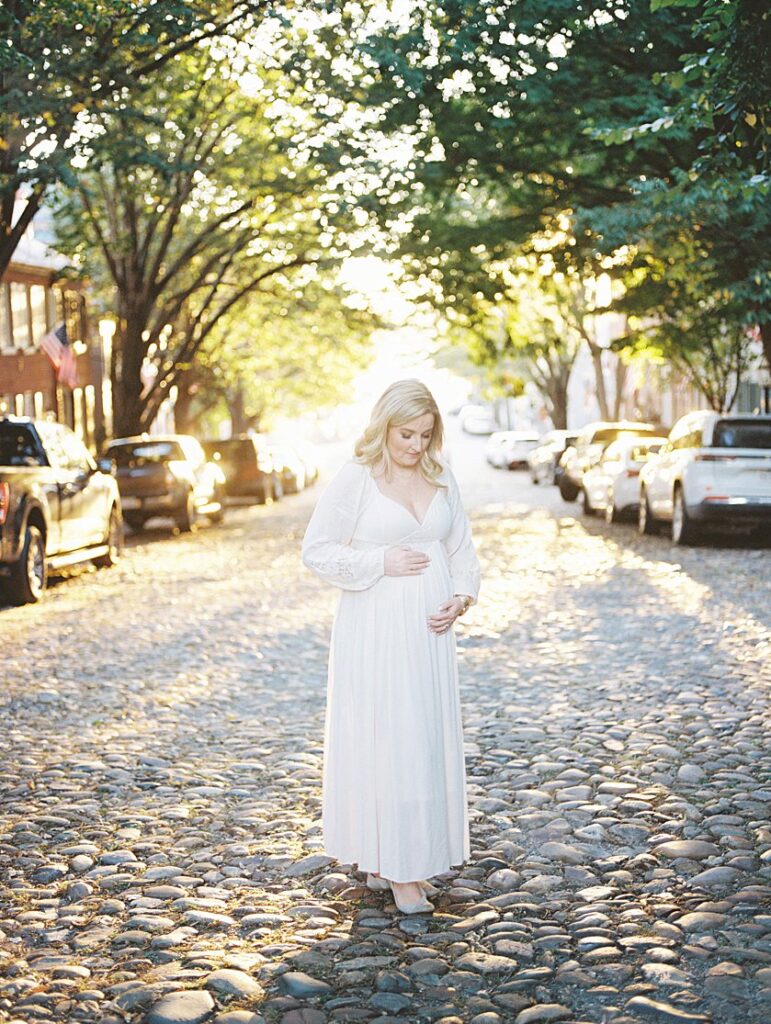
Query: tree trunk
(765, 336)
(559, 408)
(127, 373)
(621, 373)
(238, 422)
(599, 376)
(183, 419)
(554, 389)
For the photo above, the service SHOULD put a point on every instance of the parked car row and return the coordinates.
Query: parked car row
(544, 459)
(510, 449)
(60, 506)
(477, 419)
(710, 470)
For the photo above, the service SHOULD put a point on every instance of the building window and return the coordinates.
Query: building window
(20, 315)
(39, 405)
(6, 338)
(37, 301)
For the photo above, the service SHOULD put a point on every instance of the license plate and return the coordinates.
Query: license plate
(130, 503)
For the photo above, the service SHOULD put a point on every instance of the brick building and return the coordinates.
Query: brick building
(34, 298)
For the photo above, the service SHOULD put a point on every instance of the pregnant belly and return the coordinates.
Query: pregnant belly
(433, 584)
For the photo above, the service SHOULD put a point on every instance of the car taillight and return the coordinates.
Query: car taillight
(5, 501)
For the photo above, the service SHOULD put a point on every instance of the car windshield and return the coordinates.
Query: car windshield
(145, 451)
(607, 434)
(742, 434)
(642, 452)
(233, 451)
(18, 446)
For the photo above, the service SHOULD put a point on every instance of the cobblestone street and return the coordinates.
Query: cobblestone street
(160, 766)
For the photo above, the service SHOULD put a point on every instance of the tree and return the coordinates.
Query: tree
(206, 198)
(520, 113)
(528, 330)
(65, 62)
(716, 203)
(280, 355)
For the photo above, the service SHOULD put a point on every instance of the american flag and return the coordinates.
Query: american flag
(56, 346)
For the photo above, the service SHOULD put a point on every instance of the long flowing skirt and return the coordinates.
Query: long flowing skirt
(394, 773)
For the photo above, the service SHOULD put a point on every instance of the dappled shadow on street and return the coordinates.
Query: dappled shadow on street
(613, 699)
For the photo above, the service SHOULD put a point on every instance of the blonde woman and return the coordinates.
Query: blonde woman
(390, 531)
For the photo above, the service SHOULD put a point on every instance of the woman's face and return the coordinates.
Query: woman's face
(407, 442)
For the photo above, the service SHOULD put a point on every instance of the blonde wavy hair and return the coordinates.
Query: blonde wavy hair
(401, 402)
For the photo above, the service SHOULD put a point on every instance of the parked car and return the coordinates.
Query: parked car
(248, 468)
(714, 470)
(509, 449)
(57, 506)
(591, 442)
(612, 485)
(167, 475)
(543, 460)
(290, 466)
(477, 419)
(310, 459)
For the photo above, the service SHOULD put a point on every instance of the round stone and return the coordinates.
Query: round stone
(543, 1012)
(693, 849)
(186, 1007)
(238, 984)
(302, 986)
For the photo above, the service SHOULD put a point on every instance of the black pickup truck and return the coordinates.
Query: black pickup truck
(57, 506)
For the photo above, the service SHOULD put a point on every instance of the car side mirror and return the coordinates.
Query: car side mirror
(105, 465)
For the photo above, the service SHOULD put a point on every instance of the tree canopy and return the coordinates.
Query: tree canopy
(64, 62)
(635, 129)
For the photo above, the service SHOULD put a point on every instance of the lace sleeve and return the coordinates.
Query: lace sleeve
(326, 549)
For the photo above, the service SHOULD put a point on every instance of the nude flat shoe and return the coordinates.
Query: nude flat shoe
(422, 906)
(429, 889)
(376, 883)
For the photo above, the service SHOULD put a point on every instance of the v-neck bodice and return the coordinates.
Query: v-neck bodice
(384, 520)
(409, 512)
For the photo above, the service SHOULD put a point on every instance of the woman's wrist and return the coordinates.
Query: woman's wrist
(466, 603)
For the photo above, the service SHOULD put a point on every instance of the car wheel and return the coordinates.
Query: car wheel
(611, 512)
(114, 542)
(187, 520)
(646, 524)
(683, 530)
(30, 574)
(136, 522)
(586, 505)
(568, 490)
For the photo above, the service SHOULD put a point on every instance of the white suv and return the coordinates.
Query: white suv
(714, 469)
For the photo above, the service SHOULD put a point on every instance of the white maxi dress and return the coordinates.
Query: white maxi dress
(394, 790)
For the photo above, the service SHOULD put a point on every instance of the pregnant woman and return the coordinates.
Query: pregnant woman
(390, 531)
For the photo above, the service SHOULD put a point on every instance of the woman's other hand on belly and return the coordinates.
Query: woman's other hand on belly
(441, 621)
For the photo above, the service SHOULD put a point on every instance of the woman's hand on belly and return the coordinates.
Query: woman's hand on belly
(405, 561)
(441, 621)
